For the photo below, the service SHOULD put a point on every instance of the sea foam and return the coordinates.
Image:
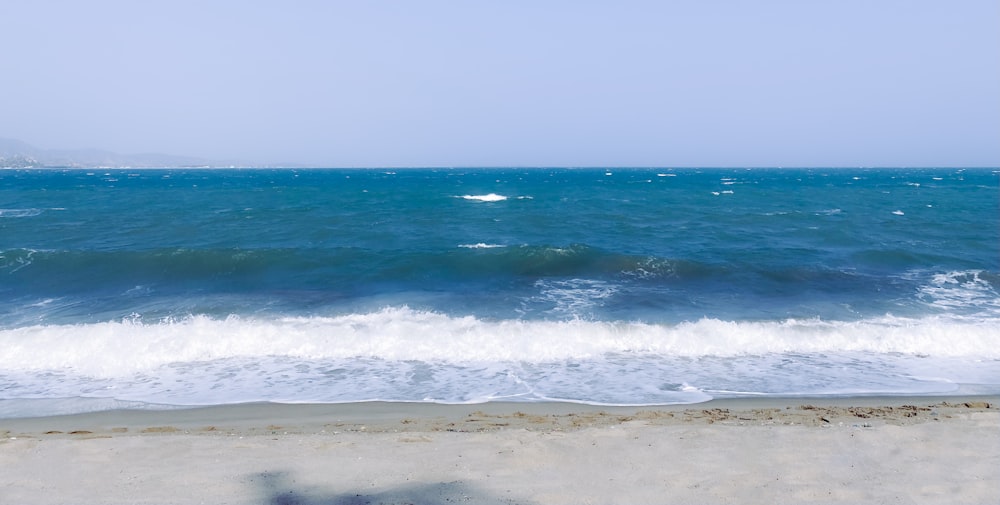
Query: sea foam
(401, 354)
(116, 348)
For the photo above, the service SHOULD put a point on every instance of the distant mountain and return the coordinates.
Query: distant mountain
(17, 154)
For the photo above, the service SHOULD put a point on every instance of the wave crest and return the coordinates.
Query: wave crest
(491, 197)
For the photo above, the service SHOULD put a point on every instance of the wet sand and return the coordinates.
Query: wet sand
(853, 450)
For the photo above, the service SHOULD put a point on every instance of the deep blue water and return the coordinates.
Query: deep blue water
(617, 286)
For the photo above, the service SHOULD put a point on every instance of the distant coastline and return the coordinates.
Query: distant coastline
(17, 154)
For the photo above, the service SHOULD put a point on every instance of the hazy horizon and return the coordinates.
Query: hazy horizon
(525, 84)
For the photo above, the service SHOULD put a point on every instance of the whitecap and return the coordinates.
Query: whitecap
(481, 245)
(961, 290)
(491, 197)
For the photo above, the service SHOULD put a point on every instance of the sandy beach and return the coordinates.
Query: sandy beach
(858, 450)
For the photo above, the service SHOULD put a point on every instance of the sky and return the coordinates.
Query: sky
(372, 83)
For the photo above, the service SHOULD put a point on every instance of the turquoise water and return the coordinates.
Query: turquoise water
(620, 286)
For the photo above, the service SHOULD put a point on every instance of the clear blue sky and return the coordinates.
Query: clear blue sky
(499, 83)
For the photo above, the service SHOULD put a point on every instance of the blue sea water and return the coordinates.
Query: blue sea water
(143, 288)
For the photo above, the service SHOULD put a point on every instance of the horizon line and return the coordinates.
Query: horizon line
(295, 166)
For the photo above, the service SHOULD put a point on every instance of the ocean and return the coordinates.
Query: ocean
(179, 287)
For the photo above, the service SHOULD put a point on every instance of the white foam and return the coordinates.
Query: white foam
(117, 348)
(17, 262)
(963, 289)
(20, 212)
(400, 354)
(492, 197)
(573, 296)
(481, 245)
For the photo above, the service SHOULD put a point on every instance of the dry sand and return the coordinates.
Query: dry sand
(861, 450)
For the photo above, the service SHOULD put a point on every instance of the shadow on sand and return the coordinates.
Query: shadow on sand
(279, 488)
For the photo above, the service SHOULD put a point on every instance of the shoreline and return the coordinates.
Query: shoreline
(749, 450)
(386, 415)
